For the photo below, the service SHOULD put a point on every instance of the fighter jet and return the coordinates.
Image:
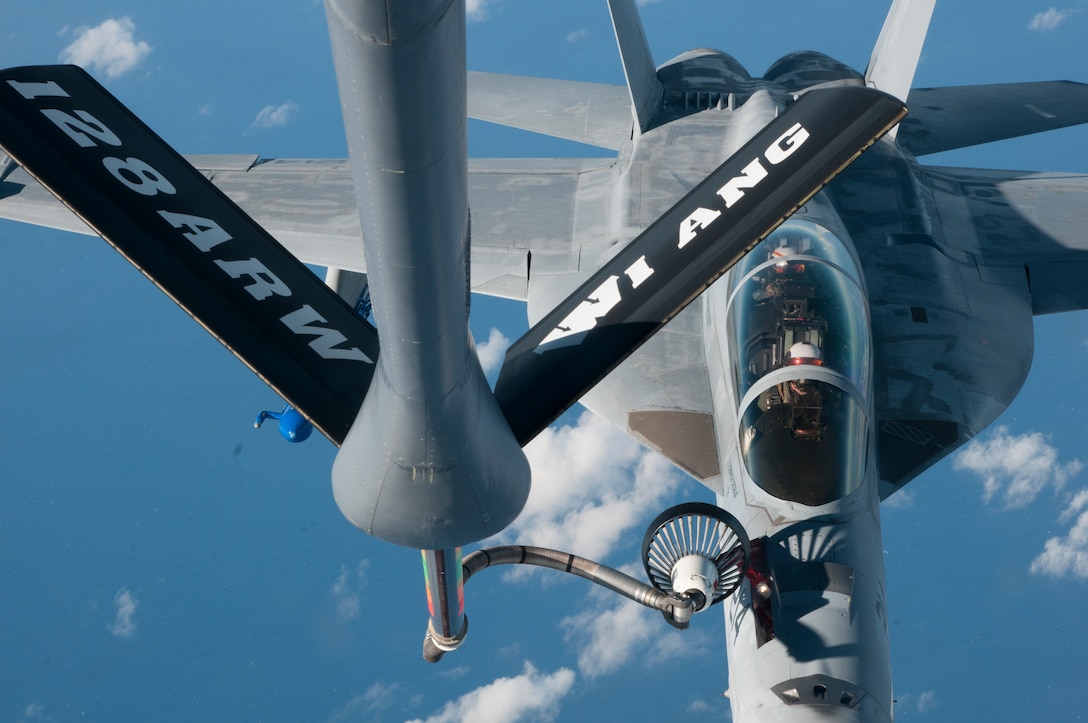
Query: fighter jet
(764, 285)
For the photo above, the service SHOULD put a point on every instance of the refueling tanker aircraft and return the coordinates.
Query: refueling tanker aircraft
(802, 346)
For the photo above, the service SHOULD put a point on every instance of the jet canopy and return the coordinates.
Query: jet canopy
(802, 365)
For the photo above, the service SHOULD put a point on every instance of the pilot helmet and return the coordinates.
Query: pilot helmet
(805, 353)
(779, 254)
(784, 265)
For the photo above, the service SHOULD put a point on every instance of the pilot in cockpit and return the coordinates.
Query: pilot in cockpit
(804, 353)
(794, 391)
(803, 395)
(783, 264)
(772, 284)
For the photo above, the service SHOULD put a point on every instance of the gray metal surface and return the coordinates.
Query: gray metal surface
(592, 113)
(943, 119)
(955, 262)
(638, 64)
(899, 46)
(1027, 224)
(430, 462)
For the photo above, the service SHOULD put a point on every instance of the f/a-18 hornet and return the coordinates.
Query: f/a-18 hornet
(764, 285)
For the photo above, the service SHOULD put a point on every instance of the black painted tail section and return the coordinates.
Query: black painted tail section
(192, 241)
(684, 251)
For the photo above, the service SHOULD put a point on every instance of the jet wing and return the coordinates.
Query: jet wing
(307, 205)
(1030, 223)
(952, 315)
(592, 113)
(523, 211)
(525, 218)
(662, 396)
(24, 199)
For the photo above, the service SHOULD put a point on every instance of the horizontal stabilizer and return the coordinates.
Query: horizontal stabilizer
(592, 113)
(667, 266)
(943, 119)
(192, 241)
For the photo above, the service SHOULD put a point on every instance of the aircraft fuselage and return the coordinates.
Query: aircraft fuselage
(790, 359)
(789, 350)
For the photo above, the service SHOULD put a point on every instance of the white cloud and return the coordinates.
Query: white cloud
(1016, 468)
(34, 712)
(492, 351)
(923, 703)
(608, 637)
(701, 707)
(124, 623)
(378, 697)
(611, 631)
(455, 673)
(109, 48)
(900, 499)
(347, 588)
(576, 35)
(529, 696)
(1065, 556)
(1075, 505)
(476, 10)
(272, 116)
(591, 484)
(1049, 20)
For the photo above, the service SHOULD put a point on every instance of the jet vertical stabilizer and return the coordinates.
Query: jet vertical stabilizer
(638, 63)
(897, 50)
(430, 462)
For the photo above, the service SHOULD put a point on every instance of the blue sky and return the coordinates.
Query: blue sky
(161, 560)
